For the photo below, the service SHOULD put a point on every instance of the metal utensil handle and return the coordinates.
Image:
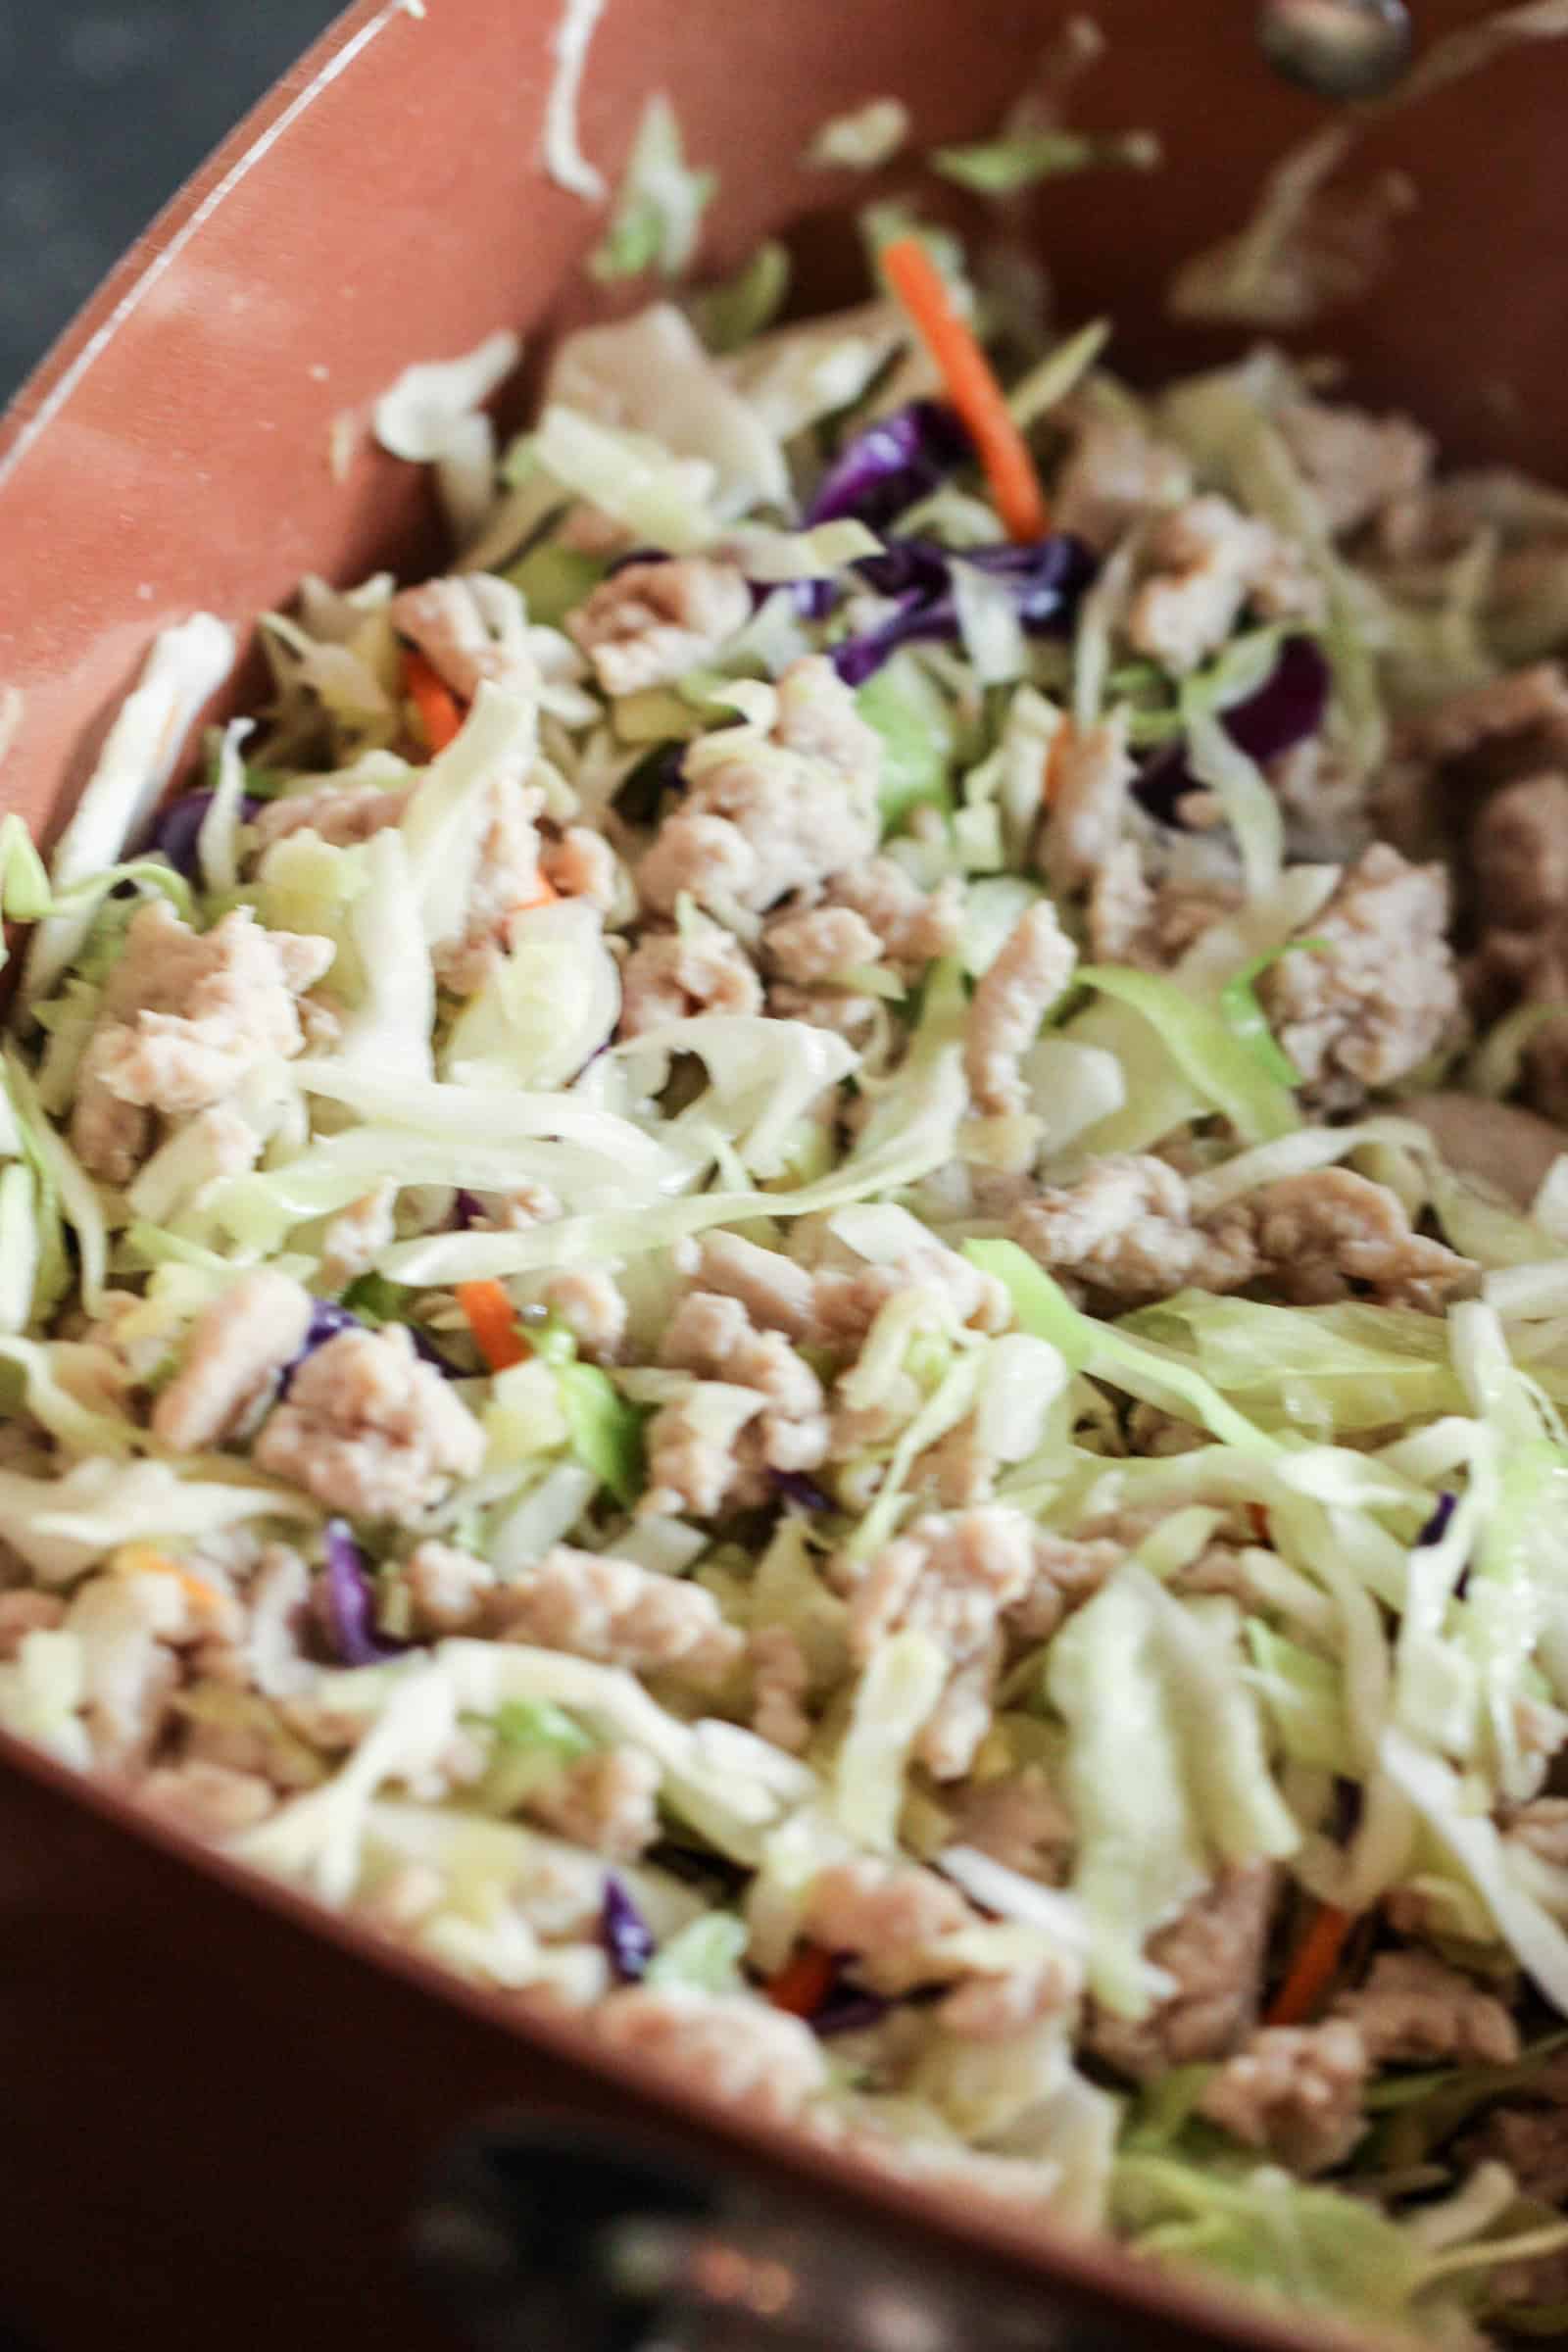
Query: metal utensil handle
(563, 2240)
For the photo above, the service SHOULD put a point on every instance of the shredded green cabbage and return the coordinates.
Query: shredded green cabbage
(659, 212)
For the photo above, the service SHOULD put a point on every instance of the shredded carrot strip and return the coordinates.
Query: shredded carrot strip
(144, 1559)
(1315, 1961)
(1258, 1515)
(804, 1983)
(439, 709)
(972, 387)
(493, 1321)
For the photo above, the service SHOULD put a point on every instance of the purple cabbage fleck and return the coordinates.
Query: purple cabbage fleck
(350, 1603)
(625, 1935)
(797, 1488)
(178, 825)
(1437, 1527)
(1047, 578)
(329, 1319)
(848, 2010)
(893, 462)
(1288, 708)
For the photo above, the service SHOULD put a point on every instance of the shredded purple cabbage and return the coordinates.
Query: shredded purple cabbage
(1289, 706)
(893, 462)
(178, 824)
(328, 1320)
(350, 1603)
(1286, 710)
(625, 1935)
(848, 2010)
(797, 1488)
(1047, 578)
(1437, 1527)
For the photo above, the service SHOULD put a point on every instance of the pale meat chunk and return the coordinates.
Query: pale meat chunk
(950, 1578)
(712, 1336)
(788, 817)
(1541, 1825)
(1504, 1145)
(777, 1293)
(342, 814)
(358, 1235)
(1124, 1232)
(700, 1463)
(1214, 1951)
(589, 1302)
(1413, 2010)
(606, 1802)
(1331, 1233)
(817, 946)
(1034, 965)
(1446, 759)
(1364, 1009)
(1294, 2091)
(670, 977)
(369, 1430)
(1203, 562)
(449, 1591)
(1065, 1571)
(184, 1016)
(619, 1614)
(470, 629)
(649, 624)
(780, 1681)
(997, 2008)
(887, 1917)
(761, 2061)
(207, 1801)
(912, 925)
(505, 882)
(1092, 777)
(581, 865)
(1019, 1820)
(1150, 924)
(1356, 463)
(847, 1300)
(1520, 855)
(1519, 848)
(1114, 476)
(233, 1355)
(131, 1629)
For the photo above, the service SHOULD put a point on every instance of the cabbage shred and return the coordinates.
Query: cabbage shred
(847, 1165)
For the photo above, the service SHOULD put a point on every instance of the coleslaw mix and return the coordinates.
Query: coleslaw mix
(799, 1269)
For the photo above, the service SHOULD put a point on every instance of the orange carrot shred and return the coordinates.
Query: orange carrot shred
(1257, 1514)
(145, 1559)
(438, 707)
(804, 1983)
(1316, 1958)
(493, 1321)
(971, 386)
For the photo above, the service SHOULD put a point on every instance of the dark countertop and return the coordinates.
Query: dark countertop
(105, 105)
